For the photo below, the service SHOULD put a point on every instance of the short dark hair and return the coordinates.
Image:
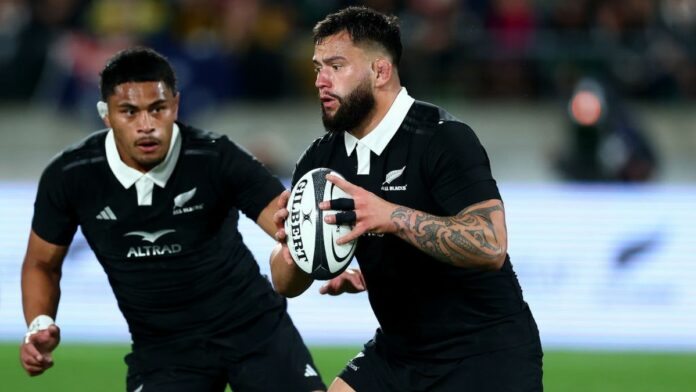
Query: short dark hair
(138, 64)
(363, 25)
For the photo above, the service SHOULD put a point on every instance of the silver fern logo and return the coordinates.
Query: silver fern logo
(181, 200)
(184, 198)
(391, 176)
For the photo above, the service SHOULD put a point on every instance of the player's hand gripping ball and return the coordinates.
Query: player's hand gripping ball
(312, 243)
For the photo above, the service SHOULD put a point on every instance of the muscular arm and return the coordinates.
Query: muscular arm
(475, 237)
(287, 279)
(41, 272)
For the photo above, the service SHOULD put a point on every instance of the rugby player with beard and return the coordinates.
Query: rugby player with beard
(432, 245)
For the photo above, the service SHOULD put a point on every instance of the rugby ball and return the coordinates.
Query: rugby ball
(312, 243)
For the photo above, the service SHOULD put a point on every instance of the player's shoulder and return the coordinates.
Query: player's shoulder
(321, 146)
(436, 125)
(89, 150)
(197, 138)
(90, 145)
(203, 143)
(428, 119)
(326, 140)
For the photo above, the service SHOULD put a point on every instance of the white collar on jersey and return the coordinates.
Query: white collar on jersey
(158, 175)
(377, 139)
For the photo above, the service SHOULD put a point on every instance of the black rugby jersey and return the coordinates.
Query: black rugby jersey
(178, 267)
(426, 308)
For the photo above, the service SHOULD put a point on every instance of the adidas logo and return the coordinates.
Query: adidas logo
(106, 214)
(310, 372)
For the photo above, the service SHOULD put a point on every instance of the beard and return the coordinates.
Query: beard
(352, 109)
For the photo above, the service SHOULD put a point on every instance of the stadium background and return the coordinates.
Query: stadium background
(603, 246)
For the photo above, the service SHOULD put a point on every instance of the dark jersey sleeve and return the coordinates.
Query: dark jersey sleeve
(458, 168)
(248, 182)
(55, 219)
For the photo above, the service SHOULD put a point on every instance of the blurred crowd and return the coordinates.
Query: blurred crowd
(226, 50)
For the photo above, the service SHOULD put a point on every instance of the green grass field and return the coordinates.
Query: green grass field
(101, 368)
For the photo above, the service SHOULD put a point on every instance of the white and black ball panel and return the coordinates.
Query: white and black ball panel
(300, 224)
(312, 243)
(340, 254)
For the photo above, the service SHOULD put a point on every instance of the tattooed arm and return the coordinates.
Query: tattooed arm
(474, 238)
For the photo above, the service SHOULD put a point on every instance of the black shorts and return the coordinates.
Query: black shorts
(279, 363)
(517, 369)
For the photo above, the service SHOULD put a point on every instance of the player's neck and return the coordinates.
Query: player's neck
(383, 102)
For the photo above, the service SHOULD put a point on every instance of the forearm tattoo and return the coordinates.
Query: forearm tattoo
(460, 239)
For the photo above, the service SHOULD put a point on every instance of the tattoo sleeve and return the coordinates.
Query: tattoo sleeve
(467, 239)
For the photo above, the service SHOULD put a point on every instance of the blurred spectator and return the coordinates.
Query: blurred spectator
(679, 48)
(228, 50)
(15, 17)
(512, 27)
(680, 17)
(264, 63)
(429, 31)
(78, 54)
(512, 24)
(204, 58)
(28, 30)
(606, 142)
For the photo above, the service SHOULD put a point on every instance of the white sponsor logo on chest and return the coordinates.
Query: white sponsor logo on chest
(154, 249)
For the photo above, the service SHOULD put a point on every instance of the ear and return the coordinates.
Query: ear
(383, 70)
(103, 111)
